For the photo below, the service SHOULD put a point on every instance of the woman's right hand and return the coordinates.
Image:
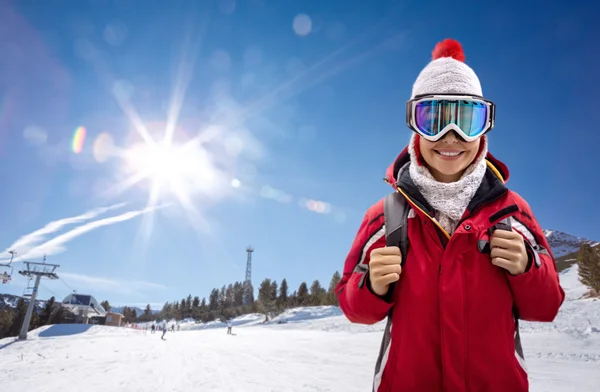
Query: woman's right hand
(384, 268)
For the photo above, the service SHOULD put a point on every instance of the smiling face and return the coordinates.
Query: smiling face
(449, 157)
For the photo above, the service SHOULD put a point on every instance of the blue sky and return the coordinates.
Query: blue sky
(280, 103)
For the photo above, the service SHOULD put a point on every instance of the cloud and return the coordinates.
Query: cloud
(57, 244)
(102, 284)
(28, 241)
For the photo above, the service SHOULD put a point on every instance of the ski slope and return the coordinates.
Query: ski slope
(302, 350)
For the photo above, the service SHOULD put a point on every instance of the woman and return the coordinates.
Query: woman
(452, 305)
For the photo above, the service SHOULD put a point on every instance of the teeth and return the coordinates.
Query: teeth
(449, 154)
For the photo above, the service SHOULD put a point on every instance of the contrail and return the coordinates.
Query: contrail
(26, 242)
(57, 244)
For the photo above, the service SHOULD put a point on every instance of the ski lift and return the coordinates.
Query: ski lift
(6, 270)
(28, 292)
(6, 275)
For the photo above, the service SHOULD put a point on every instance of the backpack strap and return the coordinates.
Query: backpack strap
(484, 244)
(395, 209)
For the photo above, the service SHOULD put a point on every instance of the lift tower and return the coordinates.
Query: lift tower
(248, 297)
(39, 270)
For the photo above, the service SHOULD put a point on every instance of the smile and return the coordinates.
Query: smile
(449, 153)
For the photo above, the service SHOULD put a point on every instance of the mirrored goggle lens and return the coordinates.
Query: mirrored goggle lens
(432, 116)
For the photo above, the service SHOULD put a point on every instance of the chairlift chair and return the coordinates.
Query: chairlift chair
(6, 275)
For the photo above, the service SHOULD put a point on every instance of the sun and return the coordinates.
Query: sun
(182, 170)
(184, 174)
(160, 163)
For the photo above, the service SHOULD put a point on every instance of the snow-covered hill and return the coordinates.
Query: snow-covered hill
(301, 350)
(10, 301)
(138, 311)
(563, 244)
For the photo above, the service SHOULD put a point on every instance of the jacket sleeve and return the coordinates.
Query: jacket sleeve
(358, 302)
(537, 292)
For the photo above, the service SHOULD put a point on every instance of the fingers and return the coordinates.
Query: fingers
(503, 263)
(502, 253)
(386, 255)
(386, 251)
(389, 260)
(504, 243)
(380, 284)
(386, 280)
(505, 234)
(383, 270)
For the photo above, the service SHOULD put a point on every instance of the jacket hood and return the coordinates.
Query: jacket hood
(494, 164)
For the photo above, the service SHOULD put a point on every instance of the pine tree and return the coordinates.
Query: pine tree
(60, 315)
(105, 305)
(20, 310)
(47, 311)
(229, 297)
(165, 309)
(204, 312)
(166, 312)
(283, 294)
(265, 297)
(213, 300)
(147, 316)
(182, 310)
(188, 306)
(317, 293)
(128, 314)
(196, 303)
(302, 295)
(292, 299)
(238, 294)
(588, 261)
(332, 299)
(273, 293)
(7, 317)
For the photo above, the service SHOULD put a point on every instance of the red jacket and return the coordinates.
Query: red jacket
(453, 316)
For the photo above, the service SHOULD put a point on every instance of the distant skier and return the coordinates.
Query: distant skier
(164, 330)
(153, 328)
(229, 326)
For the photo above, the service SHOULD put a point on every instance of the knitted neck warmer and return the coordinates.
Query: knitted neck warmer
(450, 200)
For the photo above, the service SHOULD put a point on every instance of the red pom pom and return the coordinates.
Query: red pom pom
(448, 48)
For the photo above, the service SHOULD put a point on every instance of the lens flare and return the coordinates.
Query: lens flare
(78, 140)
(103, 147)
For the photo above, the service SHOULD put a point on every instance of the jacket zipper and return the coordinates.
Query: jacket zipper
(435, 222)
(438, 227)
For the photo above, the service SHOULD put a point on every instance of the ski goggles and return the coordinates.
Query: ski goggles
(433, 116)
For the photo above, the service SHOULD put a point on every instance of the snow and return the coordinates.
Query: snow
(11, 301)
(301, 350)
(569, 280)
(563, 244)
(138, 311)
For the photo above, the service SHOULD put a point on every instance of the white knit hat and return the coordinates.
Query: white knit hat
(447, 73)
